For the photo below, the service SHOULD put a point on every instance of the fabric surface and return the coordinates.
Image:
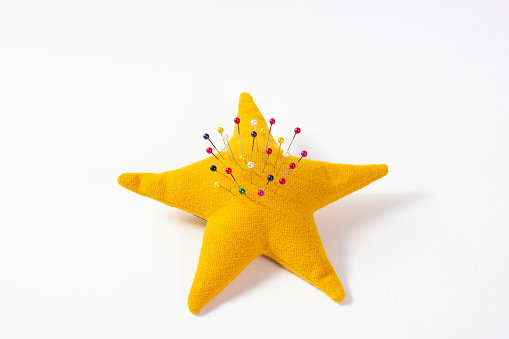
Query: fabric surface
(241, 227)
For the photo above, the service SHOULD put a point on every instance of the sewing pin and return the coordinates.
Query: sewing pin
(213, 168)
(237, 121)
(272, 122)
(261, 193)
(303, 154)
(285, 155)
(217, 185)
(225, 137)
(268, 151)
(250, 165)
(210, 151)
(225, 149)
(291, 167)
(254, 123)
(282, 181)
(297, 131)
(253, 134)
(263, 131)
(270, 177)
(229, 171)
(280, 140)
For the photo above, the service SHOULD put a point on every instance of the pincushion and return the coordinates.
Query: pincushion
(244, 225)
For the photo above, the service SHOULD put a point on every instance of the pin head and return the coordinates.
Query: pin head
(263, 130)
(304, 154)
(220, 130)
(242, 158)
(254, 122)
(292, 165)
(209, 150)
(237, 120)
(268, 150)
(282, 181)
(216, 185)
(242, 191)
(250, 164)
(224, 149)
(286, 154)
(261, 193)
(254, 134)
(280, 140)
(229, 170)
(297, 130)
(206, 136)
(270, 177)
(213, 168)
(272, 121)
(225, 137)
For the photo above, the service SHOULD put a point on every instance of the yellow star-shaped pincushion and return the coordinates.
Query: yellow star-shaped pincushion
(241, 227)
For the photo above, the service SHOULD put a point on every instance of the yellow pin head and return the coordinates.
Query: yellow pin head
(220, 130)
(216, 185)
(263, 131)
(280, 140)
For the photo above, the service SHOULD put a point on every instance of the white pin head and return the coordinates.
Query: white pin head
(250, 164)
(224, 149)
(254, 122)
(286, 154)
(225, 137)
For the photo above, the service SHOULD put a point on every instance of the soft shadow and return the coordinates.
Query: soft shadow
(189, 218)
(337, 222)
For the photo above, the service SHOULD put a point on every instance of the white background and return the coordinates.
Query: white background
(92, 89)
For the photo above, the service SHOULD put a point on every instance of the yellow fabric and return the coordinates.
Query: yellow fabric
(240, 227)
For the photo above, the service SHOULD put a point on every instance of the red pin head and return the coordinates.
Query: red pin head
(272, 121)
(237, 120)
(268, 150)
(261, 193)
(292, 165)
(297, 130)
(282, 181)
(228, 170)
(304, 154)
(209, 150)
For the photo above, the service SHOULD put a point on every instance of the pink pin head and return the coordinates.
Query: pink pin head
(237, 120)
(261, 193)
(268, 150)
(272, 121)
(282, 181)
(304, 154)
(209, 150)
(292, 165)
(297, 130)
(228, 170)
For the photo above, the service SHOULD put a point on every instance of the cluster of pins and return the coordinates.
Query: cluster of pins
(250, 164)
